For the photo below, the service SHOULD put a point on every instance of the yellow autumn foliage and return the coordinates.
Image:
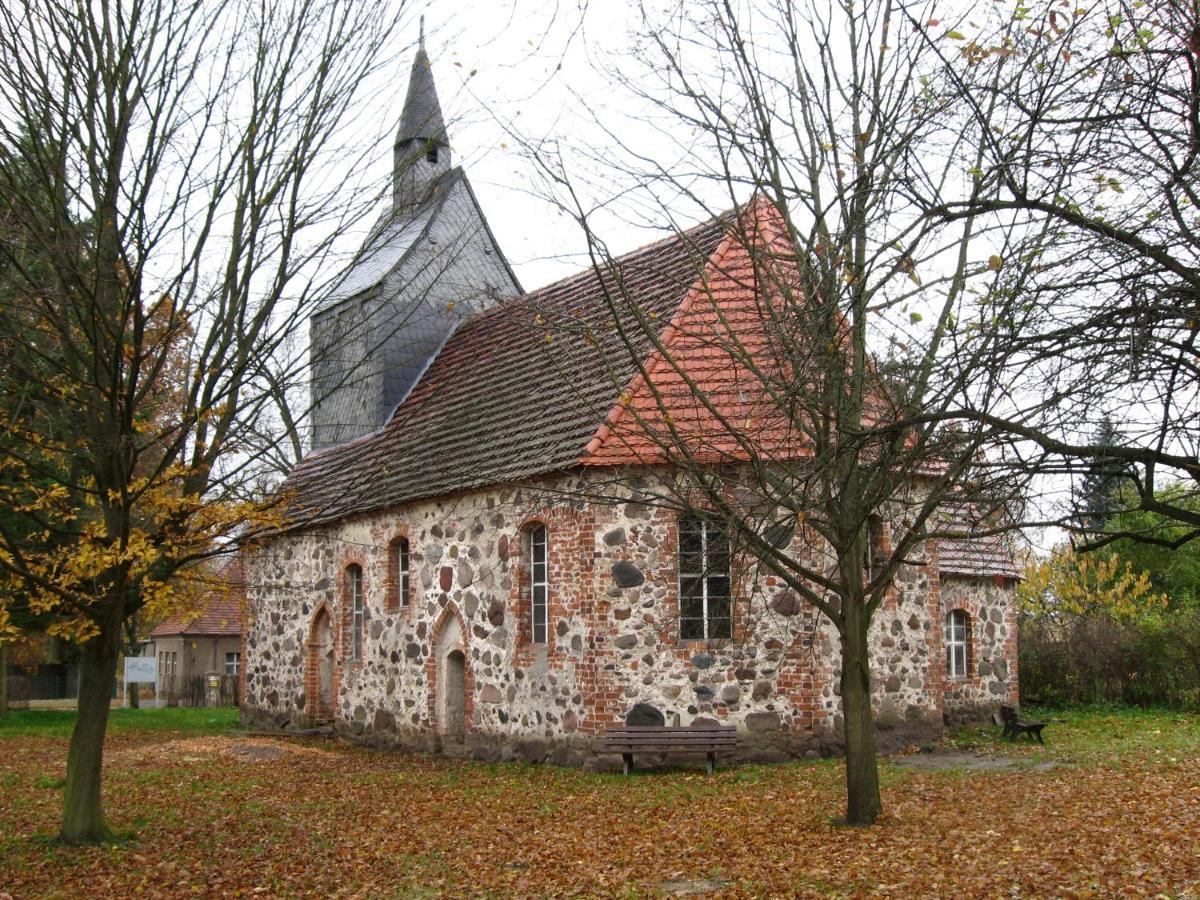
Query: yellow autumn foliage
(1073, 583)
(76, 568)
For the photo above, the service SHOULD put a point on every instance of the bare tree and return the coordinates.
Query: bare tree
(166, 166)
(801, 400)
(1094, 158)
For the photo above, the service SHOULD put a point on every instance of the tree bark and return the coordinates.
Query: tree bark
(863, 804)
(83, 813)
(3, 680)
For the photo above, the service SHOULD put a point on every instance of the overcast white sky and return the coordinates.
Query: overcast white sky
(520, 68)
(528, 58)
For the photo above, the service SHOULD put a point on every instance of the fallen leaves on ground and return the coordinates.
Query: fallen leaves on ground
(238, 816)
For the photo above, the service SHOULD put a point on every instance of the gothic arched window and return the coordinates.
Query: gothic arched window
(354, 597)
(399, 583)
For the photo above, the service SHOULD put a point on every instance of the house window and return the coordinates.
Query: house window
(233, 663)
(398, 564)
(432, 154)
(354, 593)
(705, 607)
(956, 644)
(539, 583)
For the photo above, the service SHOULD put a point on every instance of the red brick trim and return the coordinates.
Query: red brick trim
(391, 599)
(315, 710)
(345, 620)
(739, 578)
(522, 601)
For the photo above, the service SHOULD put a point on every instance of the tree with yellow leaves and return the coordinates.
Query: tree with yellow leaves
(164, 203)
(1071, 583)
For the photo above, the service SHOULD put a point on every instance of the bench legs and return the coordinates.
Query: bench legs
(627, 762)
(1012, 732)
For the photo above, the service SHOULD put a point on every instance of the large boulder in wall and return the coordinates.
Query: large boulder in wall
(644, 714)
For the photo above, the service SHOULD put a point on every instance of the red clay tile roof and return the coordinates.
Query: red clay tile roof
(984, 556)
(222, 611)
(517, 390)
(547, 381)
(699, 393)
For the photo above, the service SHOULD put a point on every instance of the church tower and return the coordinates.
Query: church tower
(422, 151)
(430, 261)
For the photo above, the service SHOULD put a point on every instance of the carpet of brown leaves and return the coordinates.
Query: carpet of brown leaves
(234, 816)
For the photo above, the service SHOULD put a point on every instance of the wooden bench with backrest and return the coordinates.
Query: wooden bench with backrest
(1014, 726)
(708, 739)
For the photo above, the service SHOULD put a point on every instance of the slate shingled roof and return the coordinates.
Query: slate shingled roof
(222, 612)
(517, 390)
(390, 240)
(422, 117)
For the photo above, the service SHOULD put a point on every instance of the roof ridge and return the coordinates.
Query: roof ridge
(643, 374)
(591, 269)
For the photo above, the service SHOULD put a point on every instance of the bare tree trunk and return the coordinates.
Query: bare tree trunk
(83, 813)
(863, 803)
(3, 680)
(131, 649)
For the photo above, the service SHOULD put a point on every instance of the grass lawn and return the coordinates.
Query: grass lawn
(216, 814)
(58, 723)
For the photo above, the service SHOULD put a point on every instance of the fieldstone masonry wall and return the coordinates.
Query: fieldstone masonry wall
(613, 638)
(991, 647)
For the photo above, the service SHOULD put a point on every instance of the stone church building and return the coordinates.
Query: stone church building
(476, 559)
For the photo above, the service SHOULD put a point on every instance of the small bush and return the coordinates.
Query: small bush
(1093, 658)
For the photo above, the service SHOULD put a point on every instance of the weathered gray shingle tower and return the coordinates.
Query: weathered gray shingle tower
(430, 261)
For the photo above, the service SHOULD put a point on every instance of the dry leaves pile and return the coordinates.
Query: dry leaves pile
(234, 816)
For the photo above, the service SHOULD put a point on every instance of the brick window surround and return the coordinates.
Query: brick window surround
(958, 645)
(398, 586)
(705, 583)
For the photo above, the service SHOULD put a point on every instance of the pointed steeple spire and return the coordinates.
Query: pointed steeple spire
(422, 120)
(422, 151)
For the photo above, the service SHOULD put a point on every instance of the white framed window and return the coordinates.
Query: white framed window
(354, 593)
(400, 572)
(539, 583)
(705, 603)
(956, 644)
(233, 663)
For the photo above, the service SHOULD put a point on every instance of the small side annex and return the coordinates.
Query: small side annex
(486, 575)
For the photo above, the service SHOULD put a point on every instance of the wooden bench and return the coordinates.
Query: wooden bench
(1014, 727)
(708, 739)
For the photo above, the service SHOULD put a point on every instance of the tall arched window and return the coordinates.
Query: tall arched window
(539, 582)
(354, 595)
(705, 604)
(398, 572)
(956, 644)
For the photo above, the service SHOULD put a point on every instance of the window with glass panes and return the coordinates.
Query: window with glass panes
(539, 583)
(956, 644)
(705, 605)
(399, 564)
(354, 591)
(233, 662)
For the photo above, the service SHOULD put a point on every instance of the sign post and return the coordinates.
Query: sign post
(139, 670)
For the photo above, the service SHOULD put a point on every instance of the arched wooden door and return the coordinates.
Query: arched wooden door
(450, 702)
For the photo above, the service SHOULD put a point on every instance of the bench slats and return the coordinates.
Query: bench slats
(630, 739)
